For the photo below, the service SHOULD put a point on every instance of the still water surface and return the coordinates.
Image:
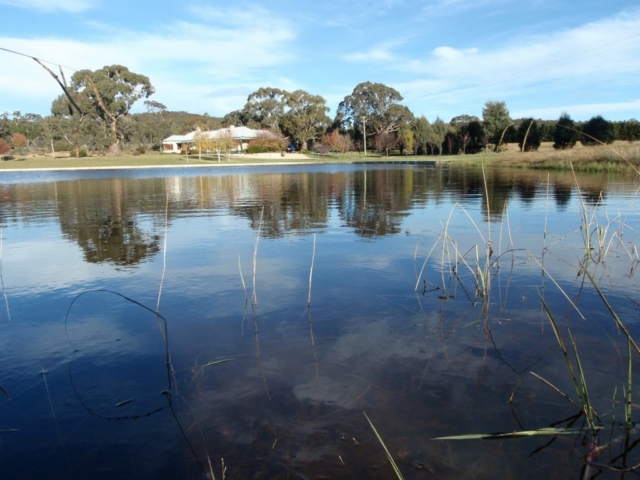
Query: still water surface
(260, 361)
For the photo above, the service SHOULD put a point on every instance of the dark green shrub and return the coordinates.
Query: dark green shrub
(597, 130)
(564, 135)
(528, 128)
(267, 142)
(61, 146)
(253, 149)
(140, 150)
(82, 153)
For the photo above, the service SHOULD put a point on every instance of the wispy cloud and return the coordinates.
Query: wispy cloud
(579, 110)
(212, 56)
(52, 5)
(381, 52)
(456, 7)
(593, 57)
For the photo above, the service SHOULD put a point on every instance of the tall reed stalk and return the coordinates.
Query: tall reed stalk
(55, 418)
(313, 257)
(255, 259)
(4, 291)
(164, 252)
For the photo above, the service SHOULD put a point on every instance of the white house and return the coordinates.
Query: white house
(177, 143)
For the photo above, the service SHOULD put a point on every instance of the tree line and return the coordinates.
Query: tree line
(93, 115)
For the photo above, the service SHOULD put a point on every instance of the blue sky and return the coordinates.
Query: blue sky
(446, 57)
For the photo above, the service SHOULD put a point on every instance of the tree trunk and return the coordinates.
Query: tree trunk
(114, 149)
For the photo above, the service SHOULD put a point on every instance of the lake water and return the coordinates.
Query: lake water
(292, 301)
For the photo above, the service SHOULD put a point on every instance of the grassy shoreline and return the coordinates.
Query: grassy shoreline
(621, 157)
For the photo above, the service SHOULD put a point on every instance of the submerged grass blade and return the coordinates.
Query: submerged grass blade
(255, 258)
(313, 258)
(393, 463)
(55, 418)
(244, 285)
(629, 396)
(580, 387)
(575, 307)
(548, 383)
(613, 313)
(553, 431)
(554, 326)
(583, 382)
(4, 292)
(200, 368)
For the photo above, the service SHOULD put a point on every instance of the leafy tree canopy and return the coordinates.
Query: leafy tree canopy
(108, 94)
(378, 104)
(496, 119)
(264, 108)
(305, 117)
(422, 132)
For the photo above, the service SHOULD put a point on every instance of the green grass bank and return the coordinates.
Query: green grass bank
(620, 157)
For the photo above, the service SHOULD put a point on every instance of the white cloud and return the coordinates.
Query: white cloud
(51, 5)
(381, 52)
(373, 55)
(458, 7)
(596, 57)
(187, 62)
(580, 110)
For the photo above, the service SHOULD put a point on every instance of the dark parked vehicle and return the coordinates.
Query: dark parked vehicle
(292, 147)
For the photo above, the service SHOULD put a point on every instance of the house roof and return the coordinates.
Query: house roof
(178, 139)
(239, 133)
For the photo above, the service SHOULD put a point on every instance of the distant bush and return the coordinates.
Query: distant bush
(320, 148)
(597, 130)
(82, 153)
(61, 146)
(4, 147)
(565, 134)
(528, 132)
(258, 149)
(337, 142)
(19, 140)
(140, 150)
(267, 142)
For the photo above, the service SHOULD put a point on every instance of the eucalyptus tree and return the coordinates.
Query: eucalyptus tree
(440, 130)
(264, 107)
(5, 128)
(305, 118)
(495, 120)
(375, 105)
(405, 139)
(69, 125)
(422, 132)
(469, 132)
(106, 94)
